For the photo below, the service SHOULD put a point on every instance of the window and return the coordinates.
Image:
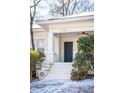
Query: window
(40, 45)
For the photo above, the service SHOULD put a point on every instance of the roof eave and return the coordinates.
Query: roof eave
(62, 20)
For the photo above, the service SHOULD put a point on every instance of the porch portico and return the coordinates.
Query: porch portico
(61, 35)
(63, 46)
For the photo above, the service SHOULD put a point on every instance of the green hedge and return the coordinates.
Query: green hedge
(83, 58)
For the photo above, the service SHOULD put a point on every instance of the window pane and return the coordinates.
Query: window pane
(40, 44)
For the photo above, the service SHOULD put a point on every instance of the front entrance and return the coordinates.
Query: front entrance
(68, 51)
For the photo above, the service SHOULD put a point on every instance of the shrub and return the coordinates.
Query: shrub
(83, 58)
(36, 58)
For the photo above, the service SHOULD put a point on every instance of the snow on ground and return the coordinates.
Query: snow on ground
(62, 86)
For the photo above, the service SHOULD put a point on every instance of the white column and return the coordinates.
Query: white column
(56, 48)
(50, 54)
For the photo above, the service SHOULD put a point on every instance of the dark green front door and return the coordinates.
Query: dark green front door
(68, 51)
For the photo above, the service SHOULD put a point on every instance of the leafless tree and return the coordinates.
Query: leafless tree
(32, 15)
(61, 7)
(87, 5)
(69, 7)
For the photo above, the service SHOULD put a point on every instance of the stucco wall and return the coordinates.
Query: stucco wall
(59, 44)
(41, 35)
(68, 39)
(64, 32)
(67, 27)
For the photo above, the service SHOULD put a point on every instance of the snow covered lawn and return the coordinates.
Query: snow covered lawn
(62, 86)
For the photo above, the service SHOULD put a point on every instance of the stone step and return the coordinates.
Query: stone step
(45, 69)
(60, 71)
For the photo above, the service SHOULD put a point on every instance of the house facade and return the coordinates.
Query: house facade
(57, 38)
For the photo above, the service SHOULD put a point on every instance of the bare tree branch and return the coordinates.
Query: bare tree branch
(75, 4)
(35, 3)
(69, 7)
(32, 15)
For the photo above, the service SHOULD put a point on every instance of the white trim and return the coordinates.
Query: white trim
(74, 30)
(38, 29)
(63, 20)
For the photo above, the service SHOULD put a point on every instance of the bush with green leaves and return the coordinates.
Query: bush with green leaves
(84, 58)
(36, 58)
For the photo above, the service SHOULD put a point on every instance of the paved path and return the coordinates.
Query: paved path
(60, 71)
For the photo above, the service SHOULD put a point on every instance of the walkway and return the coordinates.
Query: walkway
(60, 71)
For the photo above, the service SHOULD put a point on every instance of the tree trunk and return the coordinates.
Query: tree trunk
(32, 66)
(32, 43)
(30, 71)
(31, 32)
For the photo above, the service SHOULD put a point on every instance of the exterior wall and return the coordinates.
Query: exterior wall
(68, 32)
(68, 39)
(58, 41)
(62, 32)
(41, 35)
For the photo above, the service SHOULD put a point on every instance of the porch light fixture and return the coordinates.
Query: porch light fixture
(85, 33)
